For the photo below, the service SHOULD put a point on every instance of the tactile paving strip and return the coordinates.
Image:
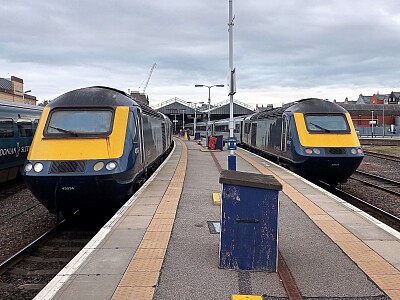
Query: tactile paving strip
(386, 276)
(141, 277)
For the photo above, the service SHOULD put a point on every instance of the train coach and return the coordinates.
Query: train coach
(18, 123)
(313, 137)
(92, 147)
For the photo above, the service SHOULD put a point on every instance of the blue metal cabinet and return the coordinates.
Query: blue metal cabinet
(249, 221)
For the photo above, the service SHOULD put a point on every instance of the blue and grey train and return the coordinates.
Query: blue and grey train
(92, 147)
(312, 137)
(18, 123)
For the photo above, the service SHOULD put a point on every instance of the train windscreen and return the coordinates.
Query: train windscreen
(327, 123)
(91, 122)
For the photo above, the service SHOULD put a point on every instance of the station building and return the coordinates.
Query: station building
(183, 112)
(12, 90)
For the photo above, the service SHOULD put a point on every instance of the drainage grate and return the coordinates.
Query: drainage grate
(214, 226)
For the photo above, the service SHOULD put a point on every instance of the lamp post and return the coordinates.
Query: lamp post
(175, 121)
(232, 91)
(383, 118)
(209, 103)
(195, 117)
(372, 123)
(23, 95)
(183, 120)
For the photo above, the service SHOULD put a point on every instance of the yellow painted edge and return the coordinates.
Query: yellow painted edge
(244, 297)
(355, 249)
(216, 198)
(209, 150)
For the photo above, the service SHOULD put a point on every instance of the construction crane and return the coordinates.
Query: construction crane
(148, 77)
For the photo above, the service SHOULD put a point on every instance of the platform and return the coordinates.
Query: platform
(160, 246)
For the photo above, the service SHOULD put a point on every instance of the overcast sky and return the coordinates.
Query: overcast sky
(284, 50)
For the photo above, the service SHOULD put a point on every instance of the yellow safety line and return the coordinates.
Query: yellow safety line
(376, 267)
(141, 277)
(216, 197)
(246, 297)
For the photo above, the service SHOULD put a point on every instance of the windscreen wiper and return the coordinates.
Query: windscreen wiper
(320, 127)
(64, 130)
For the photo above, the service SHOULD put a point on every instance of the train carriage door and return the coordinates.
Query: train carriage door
(164, 139)
(139, 135)
(253, 134)
(284, 135)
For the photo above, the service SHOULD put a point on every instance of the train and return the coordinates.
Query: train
(92, 148)
(312, 137)
(18, 123)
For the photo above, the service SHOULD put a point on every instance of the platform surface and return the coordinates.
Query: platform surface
(160, 246)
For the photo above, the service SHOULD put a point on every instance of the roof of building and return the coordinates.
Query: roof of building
(5, 84)
(367, 108)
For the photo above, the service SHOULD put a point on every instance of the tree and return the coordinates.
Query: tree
(44, 103)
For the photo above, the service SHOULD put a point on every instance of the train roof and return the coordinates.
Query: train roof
(96, 96)
(309, 105)
(93, 96)
(20, 106)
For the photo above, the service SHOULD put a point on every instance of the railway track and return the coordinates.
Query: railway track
(376, 181)
(18, 212)
(380, 214)
(383, 156)
(25, 273)
(11, 188)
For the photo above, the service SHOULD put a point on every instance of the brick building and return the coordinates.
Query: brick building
(12, 90)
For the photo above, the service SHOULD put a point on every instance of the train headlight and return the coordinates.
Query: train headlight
(353, 151)
(28, 167)
(308, 151)
(360, 151)
(98, 166)
(38, 167)
(111, 165)
(316, 151)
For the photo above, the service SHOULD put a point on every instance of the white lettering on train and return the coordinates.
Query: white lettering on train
(14, 150)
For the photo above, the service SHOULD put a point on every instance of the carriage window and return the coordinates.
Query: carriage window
(89, 122)
(326, 123)
(25, 128)
(6, 128)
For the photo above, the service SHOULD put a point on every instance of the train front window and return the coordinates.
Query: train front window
(327, 123)
(6, 128)
(76, 123)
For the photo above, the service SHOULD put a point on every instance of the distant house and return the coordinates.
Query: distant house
(363, 99)
(379, 99)
(394, 98)
(12, 90)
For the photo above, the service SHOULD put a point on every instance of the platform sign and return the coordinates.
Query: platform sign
(232, 143)
(372, 122)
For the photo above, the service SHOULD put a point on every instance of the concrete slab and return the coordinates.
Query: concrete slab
(106, 262)
(134, 222)
(124, 238)
(89, 287)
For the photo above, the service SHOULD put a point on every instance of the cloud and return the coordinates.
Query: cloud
(282, 49)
